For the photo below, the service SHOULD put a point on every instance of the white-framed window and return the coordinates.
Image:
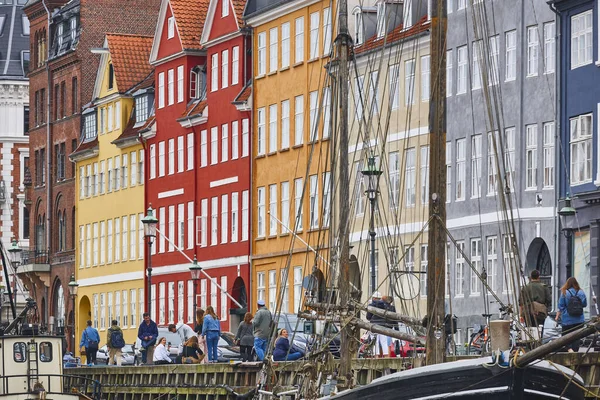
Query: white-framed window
(381, 20)
(161, 159)
(448, 172)
(162, 223)
(102, 242)
(213, 293)
(299, 40)
(202, 234)
(314, 35)
(285, 124)
(260, 216)
(326, 112)
(298, 206)
(171, 27)
(394, 72)
(161, 302)
(171, 157)
(172, 236)
(245, 214)
(273, 46)
(152, 165)
(476, 166)
(245, 137)
(326, 199)
(285, 206)
(531, 156)
(203, 148)
(96, 244)
(409, 258)
(224, 218)
(409, 82)
(118, 307)
(224, 299)
(235, 204)
(297, 288)
(102, 311)
(272, 128)
(549, 47)
(298, 120)
(117, 173)
(425, 76)
(180, 226)
(462, 70)
(374, 92)
(462, 4)
(203, 293)
(491, 165)
(581, 149)
(170, 87)
(284, 289)
(285, 45)
(272, 289)
(134, 169)
(224, 142)
(312, 117)
(235, 65)
(224, 68)
(109, 240)
(359, 28)
(180, 301)
(190, 151)
(460, 169)
(491, 261)
(424, 174)
(88, 245)
(214, 144)
(394, 176)
(327, 30)
(449, 81)
(511, 56)
(423, 275)
(261, 136)
(260, 285)
(410, 175)
(314, 201)
(132, 306)
(214, 72)
(191, 314)
(262, 53)
(459, 270)
(133, 237)
(161, 89)
(118, 239)
(359, 96)
(494, 55)
(235, 140)
(180, 93)
(476, 79)
(509, 156)
(95, 183)
(476, 264)
(214, 216)
(141, 239)
(548, 128)
(273, 210)
(581, 39)
(190, 224)
(532, 50)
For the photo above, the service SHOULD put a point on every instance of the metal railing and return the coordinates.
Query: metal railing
(34, 256)
(54, 384)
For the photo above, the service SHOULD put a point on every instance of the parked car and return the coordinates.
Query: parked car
(174, 345)
(127, 355)
(303, 342)
(552, 329)
(401, 348)
(227, 350)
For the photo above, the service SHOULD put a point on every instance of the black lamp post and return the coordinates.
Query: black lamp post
(372, 173)
(566, 213)
(149, 222)
(15, 259)
(73, 287)
(195, 270)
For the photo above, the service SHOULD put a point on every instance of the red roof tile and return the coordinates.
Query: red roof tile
(194, 108)
(129, 54)
(190, 16)
(395, 35)
(244, 94)
(86, 146)
(238, 7)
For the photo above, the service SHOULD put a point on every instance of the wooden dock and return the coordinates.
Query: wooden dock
(228, 381)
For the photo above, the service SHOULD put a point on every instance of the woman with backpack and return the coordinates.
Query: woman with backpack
(570, 309)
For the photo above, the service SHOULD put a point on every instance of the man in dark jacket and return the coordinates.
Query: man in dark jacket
(261, 325)
(147, 333)
(535, 300)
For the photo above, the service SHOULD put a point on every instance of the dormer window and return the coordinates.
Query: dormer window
(141, 109)
(73, 23)
(171, 28)
(90, 126)
(198, 82)
(407, 20)
(59, 35)
(359, 31)
(111, 76)
(381, 22)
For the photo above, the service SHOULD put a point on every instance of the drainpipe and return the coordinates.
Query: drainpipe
(250, 191)
(557, 138)
(48, 139)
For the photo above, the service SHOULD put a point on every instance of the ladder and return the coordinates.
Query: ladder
(32, 364)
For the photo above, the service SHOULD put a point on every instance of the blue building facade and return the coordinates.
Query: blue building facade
(578, 155)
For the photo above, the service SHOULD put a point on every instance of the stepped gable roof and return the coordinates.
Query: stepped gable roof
(398, 33)
(244, 94)
(190, 16)
(129, 55)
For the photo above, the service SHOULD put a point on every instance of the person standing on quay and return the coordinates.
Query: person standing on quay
(90, 340)
(201, 339)
(114, 342)
(245, 337)
(262, 329)
(211, 330)
(570, 309)
(147, 333)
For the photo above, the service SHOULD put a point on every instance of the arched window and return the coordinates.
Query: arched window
(40, 233)
(198, 82)
(60, 244)
(59, 307)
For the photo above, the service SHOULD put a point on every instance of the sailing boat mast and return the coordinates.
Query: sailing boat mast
(343, 44)
(436, 252)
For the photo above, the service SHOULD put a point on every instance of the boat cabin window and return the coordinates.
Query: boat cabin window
(20, 352)
(45, 352)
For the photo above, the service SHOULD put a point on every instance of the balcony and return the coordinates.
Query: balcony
(35, 267)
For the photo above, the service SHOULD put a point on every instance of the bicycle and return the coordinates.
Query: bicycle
(480, 341)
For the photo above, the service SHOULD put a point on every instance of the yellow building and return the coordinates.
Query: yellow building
(110, 189)
(291, 130)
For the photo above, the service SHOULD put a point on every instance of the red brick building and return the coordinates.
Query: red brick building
(198, 163)
(62, 74)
